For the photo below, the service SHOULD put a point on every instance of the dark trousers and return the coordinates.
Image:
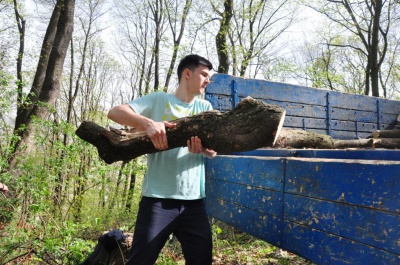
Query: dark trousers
(159, 218)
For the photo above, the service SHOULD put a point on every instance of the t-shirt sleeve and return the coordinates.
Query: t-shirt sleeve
(206, 105)
(209, 106)
(145, 104)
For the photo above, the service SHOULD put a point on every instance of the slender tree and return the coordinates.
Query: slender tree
(257, 25)
(138, 46)
(221, 39)
(21, 23)
(177, 30)
(371, 22)
(91, 13)
(157, 8)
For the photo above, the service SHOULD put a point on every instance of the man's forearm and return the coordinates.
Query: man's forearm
(125, 115)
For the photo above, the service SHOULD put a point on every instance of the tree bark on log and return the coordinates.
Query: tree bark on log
(295, 138)
(387, 143)
(252, 124)
(356, 143)
(386, 134)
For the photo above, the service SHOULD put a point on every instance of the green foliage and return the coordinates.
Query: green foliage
(60, 203)
(51, 241)
(232, 246)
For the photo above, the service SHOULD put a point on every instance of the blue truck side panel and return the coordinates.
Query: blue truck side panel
(329, 206)
(341, 115)
(330, 211)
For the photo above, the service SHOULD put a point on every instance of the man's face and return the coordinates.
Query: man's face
(198, 79)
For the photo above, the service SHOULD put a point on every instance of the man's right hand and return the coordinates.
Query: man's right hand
(157, 133)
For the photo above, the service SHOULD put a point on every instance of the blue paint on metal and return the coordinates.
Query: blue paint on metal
(356, 124)
(234, 93)
(363, 225)
(328, 114)
(250, 221)
(326, 248)
(326, 210)
(378, 114)
(328, 206)
(362, 154)
(375, 185)
(282, 202)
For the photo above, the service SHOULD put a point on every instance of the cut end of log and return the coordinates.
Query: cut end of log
(375, 134)
(278, 131)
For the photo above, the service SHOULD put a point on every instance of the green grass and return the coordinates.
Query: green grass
(232, 247)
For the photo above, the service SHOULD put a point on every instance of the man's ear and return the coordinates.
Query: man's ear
(187, 73)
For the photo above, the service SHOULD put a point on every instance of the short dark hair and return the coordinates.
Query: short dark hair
(192, 61)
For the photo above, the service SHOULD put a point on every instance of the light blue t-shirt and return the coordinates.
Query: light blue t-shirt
(175, 173)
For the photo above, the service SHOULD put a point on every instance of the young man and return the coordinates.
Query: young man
(173, 187)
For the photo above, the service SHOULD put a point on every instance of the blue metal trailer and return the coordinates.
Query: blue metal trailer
(328, 206)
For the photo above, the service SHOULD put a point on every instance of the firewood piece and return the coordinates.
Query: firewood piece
(295, 138)
(355, 143)
(386, 134)
(388, 143)
(250, 125)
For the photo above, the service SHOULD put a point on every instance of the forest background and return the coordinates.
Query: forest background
(62, 196)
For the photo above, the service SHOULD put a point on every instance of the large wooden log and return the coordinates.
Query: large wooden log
(250, 125)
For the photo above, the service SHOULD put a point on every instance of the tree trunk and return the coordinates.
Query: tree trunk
(52, 82)
(251, 125)
(177, 39)
(24, 108)
(158, 13)
(374, 46)
(21, 22)
(221, 38)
